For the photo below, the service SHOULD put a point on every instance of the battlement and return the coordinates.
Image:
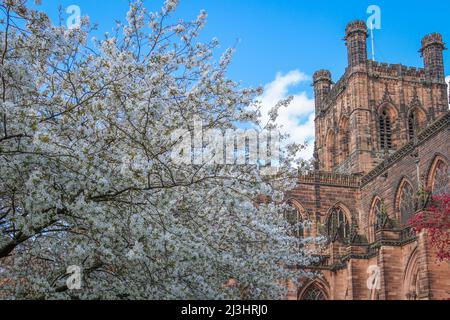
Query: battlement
(432, 39)
(395, 70)
(374, 69)
(330, 178)
(356, 34)
(356, 26)
(322, 75)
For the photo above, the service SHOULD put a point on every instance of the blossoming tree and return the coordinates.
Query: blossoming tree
(86, 173)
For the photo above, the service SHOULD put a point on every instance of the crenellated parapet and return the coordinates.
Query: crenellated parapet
(329, 178)
(381, 69)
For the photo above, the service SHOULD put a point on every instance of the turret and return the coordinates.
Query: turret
(356, 41)
(322, 87)
(432, 48)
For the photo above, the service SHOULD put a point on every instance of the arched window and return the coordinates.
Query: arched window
(379, 215)
(407, 203)
(385, 131)
(313, 292)
(338, 225)
(295, 219)
(441, 180)
(376, 219)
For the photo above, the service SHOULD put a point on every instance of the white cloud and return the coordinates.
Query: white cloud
(290, 118)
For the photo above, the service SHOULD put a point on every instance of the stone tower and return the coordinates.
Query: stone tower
(382, 142)
(375, 108)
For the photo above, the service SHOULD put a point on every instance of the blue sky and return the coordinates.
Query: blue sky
(280, 43)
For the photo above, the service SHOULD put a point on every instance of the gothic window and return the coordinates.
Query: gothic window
(338, 225)
(385, 131)
(441, 180)
(295, 219)
(379, 216)
(407, 203)
(313, 293)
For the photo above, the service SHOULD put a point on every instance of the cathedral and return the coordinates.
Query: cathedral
(382, 138)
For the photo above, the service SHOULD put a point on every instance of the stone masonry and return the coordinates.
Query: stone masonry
(382, 137)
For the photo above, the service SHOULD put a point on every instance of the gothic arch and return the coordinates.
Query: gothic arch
(301, 215)
(436, 176)
(404, 200)
(344, 207)
(420, 110)
(338, 222)
(373, 222)
(388, 133)
(390, 108)
(315, 290)
(412, 289)
(300, 207)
